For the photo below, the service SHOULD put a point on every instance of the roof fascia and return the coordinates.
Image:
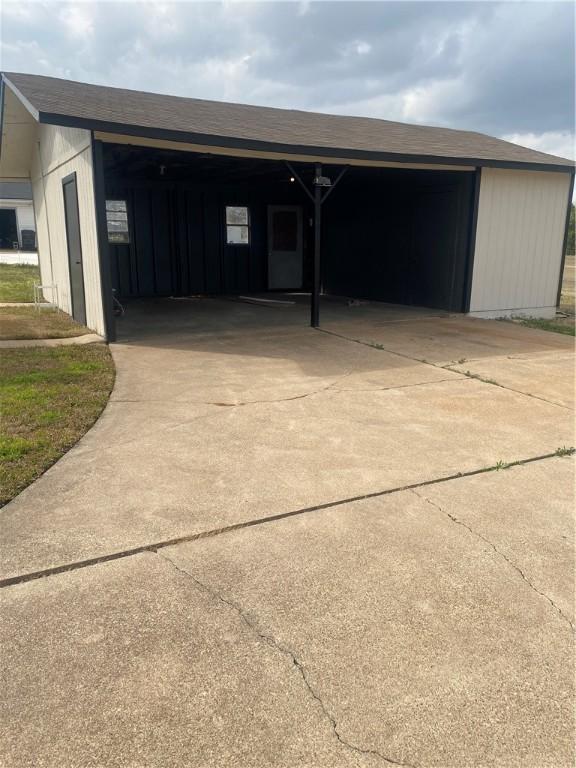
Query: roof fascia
(282, 149)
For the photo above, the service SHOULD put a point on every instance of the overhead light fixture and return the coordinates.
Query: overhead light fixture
(292, 179)
(322, 181)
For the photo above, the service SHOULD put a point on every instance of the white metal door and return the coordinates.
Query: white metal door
(285, 252)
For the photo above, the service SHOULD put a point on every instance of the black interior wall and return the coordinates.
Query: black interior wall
(8, 228)
(177, 238)
(400, 237)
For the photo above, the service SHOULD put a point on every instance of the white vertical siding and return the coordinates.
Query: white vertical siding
(25, 217)
(42, 237)
(521, 219)
(64, 151)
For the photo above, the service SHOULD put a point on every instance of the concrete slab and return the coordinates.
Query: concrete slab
(87, 338)
(445, 340)
(207, 428)
(131, 664)
(232, 465)
(423, 641)
(425, 627)
(256, 366)
(527, 513)
(546, 375)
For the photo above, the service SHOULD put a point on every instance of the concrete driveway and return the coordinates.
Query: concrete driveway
(284, 547)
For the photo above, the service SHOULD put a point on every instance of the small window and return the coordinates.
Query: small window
(117, 221)
(237, 225)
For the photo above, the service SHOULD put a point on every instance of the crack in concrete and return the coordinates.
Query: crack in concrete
(446, 367)
(329, 387)
(238, 403)
(313, 392)
(403, 386)
(501, 554)
(82, 451)
(271, 641)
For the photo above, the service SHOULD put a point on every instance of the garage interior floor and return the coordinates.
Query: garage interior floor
(282, 546)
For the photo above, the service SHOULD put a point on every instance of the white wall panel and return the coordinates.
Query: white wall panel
(64, 151)
(519, 237)
(25, 217)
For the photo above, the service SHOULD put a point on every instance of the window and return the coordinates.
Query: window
(117, 221)
(237, 225)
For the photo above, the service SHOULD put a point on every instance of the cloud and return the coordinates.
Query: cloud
(504, 68)
(78, 20)
(561, 143)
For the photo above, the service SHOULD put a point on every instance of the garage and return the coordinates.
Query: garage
(140, 195)
(182, 223)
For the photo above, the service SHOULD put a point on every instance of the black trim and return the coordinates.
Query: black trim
(102, 239)
(267, 146)
(2, 91)
(565, 240)
(473, 226)
(317, 266)
(71, 177)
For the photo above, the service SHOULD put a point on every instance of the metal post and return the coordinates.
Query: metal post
(315, 298)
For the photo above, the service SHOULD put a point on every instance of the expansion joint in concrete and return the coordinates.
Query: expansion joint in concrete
(154, 546)
(446, 367)
(273, 643)
(500, 554)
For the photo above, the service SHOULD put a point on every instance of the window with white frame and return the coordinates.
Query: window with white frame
(117, 221)
(237, 225)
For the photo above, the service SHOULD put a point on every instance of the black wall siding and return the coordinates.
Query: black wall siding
(178, 238)
(392, 236)
(398, 240)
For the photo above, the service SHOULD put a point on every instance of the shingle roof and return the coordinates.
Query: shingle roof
(113, 109)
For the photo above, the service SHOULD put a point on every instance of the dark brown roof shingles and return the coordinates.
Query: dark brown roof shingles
(97, 103)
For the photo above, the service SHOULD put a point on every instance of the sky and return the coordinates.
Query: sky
(503, 68)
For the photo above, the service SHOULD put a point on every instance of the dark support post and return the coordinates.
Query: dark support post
(565, 240)
(317, 198)
(102, 233)
(472, 239)
(1, 111)
(315, 299)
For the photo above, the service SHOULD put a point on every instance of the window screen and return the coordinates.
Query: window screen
(237, 225)
(117, 221)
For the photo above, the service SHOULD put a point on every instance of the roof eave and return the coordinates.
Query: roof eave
(280, 149)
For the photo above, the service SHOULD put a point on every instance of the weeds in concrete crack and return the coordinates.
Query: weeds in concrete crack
(500, 554)
(277, 646)
(564, 451)
(447, 367)
(481, 378)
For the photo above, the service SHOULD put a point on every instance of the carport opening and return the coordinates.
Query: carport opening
(191, 224)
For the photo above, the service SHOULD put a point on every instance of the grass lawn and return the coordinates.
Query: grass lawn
(49, 397)
(31, 323)
(558, 325)
(17, 281)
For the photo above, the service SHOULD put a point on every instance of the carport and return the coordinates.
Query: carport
(147, 195)
(188, 223)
